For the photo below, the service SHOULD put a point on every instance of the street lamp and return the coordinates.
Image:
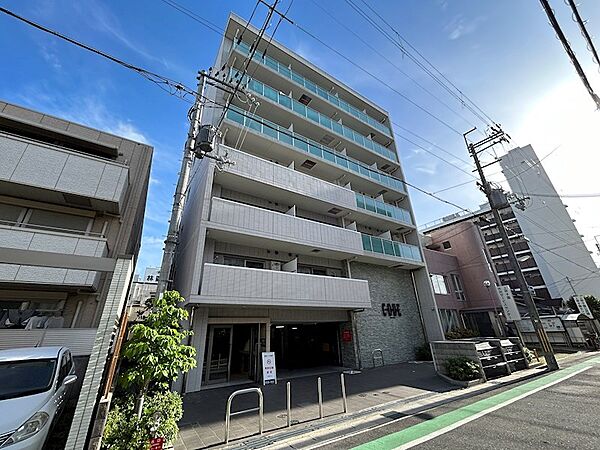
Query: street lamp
(488, 284)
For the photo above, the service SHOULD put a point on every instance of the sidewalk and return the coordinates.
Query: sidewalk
(203, 421)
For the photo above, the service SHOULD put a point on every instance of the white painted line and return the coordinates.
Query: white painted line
(460, 423)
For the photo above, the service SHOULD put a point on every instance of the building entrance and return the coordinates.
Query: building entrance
(299, 346)
(232, 353)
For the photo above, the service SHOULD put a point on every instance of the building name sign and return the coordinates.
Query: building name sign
(509, 307)
(391, 310)
(549, 324)
(582, 306)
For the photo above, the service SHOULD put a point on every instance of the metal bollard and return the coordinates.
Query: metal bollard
(320, 392)
(288, 387)
(344, 399)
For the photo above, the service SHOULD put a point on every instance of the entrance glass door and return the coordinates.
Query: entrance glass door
(219, 354)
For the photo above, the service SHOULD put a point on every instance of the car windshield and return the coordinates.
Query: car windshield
(20, 378)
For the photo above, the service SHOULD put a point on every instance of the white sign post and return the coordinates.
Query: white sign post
(511, 312)
(582, 306)
(269, 370)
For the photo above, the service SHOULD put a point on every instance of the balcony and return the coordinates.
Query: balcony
(262, 178)
(342, 131)
(48, 173)
(404, 254)
(328, 163)
(241, 286)
(380, 208)
(61, 243)
(257, 227)
(323, 93)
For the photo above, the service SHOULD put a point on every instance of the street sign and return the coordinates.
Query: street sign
(511, 312)
(157, 443)
(582, 306)
(269, 370)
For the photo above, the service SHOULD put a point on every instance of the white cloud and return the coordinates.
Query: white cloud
(461, 26)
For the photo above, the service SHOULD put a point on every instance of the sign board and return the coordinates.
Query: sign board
(269, 370)
(511, 312)
(157, 443)
(346, 336)
(391, 310)
(582, 306)
(549, 323)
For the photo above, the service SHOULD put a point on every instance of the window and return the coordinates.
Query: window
(439, 284)
(450, 319)
(458, 289)
(255, 264)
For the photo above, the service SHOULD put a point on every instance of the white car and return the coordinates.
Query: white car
(35, 384)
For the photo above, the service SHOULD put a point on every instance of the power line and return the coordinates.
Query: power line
(563, 39)
(192, 15)
(588, 39)
(415, 60)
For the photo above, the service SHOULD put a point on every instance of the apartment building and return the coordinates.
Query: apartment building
(551, 253)
(72, 203)
(307, 246)
(464, 279)
(143, 287)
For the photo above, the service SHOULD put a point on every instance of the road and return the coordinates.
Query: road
(557, 410)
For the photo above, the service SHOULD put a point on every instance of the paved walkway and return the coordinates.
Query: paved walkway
(203, 421)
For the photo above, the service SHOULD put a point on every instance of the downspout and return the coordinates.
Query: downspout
(414, 284)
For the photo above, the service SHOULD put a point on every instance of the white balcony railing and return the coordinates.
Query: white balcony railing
(51, 168)
(263, 223)
(55, 242)
(230, 285)
(78, 340)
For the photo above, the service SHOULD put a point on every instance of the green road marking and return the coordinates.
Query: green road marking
(394, 440)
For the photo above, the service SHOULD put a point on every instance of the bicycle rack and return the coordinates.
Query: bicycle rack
(378, 352)
(228, 414)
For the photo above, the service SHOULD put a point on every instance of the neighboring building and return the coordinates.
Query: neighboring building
(463, 278)
(566, 264)
(72, 203)
(307, 245)
(551, 253)
(142, 289)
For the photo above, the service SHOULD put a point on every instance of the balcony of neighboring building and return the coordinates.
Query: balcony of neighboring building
(52, 174)
(281, 76)
(36, 238)
(286, 185)
(270, 141)
(385, 251)
(243, 286)
(287, 110)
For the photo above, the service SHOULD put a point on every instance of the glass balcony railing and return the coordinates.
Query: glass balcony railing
(323, 93)
(315, 116)
(314, 148)
(379, 207)
(392, 248)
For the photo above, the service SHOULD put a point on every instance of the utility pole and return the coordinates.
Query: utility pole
(180, 190)
(497, 200)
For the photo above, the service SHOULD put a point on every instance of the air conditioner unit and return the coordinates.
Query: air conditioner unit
(275, 265)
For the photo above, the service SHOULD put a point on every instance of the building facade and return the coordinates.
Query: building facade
(464, 279)
(72, 203)
(551, 253)
(307, 245)
(142, 289)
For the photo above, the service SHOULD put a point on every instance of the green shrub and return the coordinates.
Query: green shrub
(461, 333)
(462, 369)
(423, 353)
(124, 431)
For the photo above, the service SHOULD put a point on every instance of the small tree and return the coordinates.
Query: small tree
(154, 352)
(592, 302)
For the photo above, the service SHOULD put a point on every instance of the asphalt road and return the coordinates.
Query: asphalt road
(558, 410)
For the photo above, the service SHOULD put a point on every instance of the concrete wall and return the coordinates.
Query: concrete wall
(442, 351)
(397, 337)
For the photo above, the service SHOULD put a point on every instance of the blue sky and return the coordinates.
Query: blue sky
(501, 54)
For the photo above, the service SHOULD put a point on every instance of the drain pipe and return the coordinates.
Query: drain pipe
(412, 275)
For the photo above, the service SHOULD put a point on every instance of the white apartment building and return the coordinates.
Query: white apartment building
(564, 261)
(72, 202)
(307, 246)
